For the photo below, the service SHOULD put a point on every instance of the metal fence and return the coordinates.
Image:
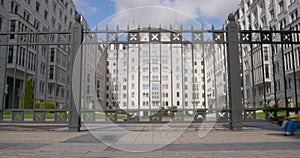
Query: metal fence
(270, 72)
(242, 75)
(33, 76)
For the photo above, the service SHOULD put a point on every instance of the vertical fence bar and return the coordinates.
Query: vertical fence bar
(294, 77)
(274, 75)
(284, 74)
(234, 77)
(263, 69)
(3, 80)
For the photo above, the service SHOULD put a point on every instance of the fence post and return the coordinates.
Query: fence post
(234, 77)
(75, 92)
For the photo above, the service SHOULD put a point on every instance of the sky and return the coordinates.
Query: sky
(156, 12)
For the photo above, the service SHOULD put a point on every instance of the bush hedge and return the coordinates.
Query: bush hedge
(40, 105)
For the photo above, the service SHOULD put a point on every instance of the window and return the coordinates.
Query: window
(267, 71)
(52, 54)
(88, 78)
(154, 61)
(49, 89)
(1, 2)
(155, 77)
(289, 83)
(281, 6)
(146, 78)
(155, 86)
(42, 84)
(51, 74)
(165, 77)
(145, 86)
(45, 15)
(53, 22)
(10, 54)
(28, 60)
(16, 9)
(178, 94)
(266, 54)
(145, 53)
(62, 93)
(12, 28)
(37, 7)
(145, 69)
(155, 95)
(145, 61)
(145, 95)
(165, 95)
(36, 24)
(12, 7)
(26, 15)
(154, 69)
(66, 5)
(164, 86)
(66, 19)
(272, 14)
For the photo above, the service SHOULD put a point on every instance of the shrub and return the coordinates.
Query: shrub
(27, 96)
(50, 105)
(40, 105)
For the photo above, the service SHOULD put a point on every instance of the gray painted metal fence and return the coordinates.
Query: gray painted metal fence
(261, 67)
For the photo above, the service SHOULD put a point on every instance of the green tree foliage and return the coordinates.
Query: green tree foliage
(27, 96)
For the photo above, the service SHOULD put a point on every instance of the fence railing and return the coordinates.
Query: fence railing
(246, 75)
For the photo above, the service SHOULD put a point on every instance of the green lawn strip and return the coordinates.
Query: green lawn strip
(28, 115)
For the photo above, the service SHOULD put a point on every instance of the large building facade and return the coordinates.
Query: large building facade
(216, 76)
(45, 66)
(153, 75)
(268, 69)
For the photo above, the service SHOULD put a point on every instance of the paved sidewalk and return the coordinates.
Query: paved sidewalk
(256, 140)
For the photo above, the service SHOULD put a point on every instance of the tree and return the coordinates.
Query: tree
(27, 96)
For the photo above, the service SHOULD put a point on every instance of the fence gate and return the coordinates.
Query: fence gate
(154, 75)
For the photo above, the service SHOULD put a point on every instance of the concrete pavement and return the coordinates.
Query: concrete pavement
(256, 140)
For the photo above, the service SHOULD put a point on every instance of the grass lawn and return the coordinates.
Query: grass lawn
(261, 115)
(101, 115)
(27, 115)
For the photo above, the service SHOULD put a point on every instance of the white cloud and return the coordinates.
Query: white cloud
(85, 7)
(176, 9)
